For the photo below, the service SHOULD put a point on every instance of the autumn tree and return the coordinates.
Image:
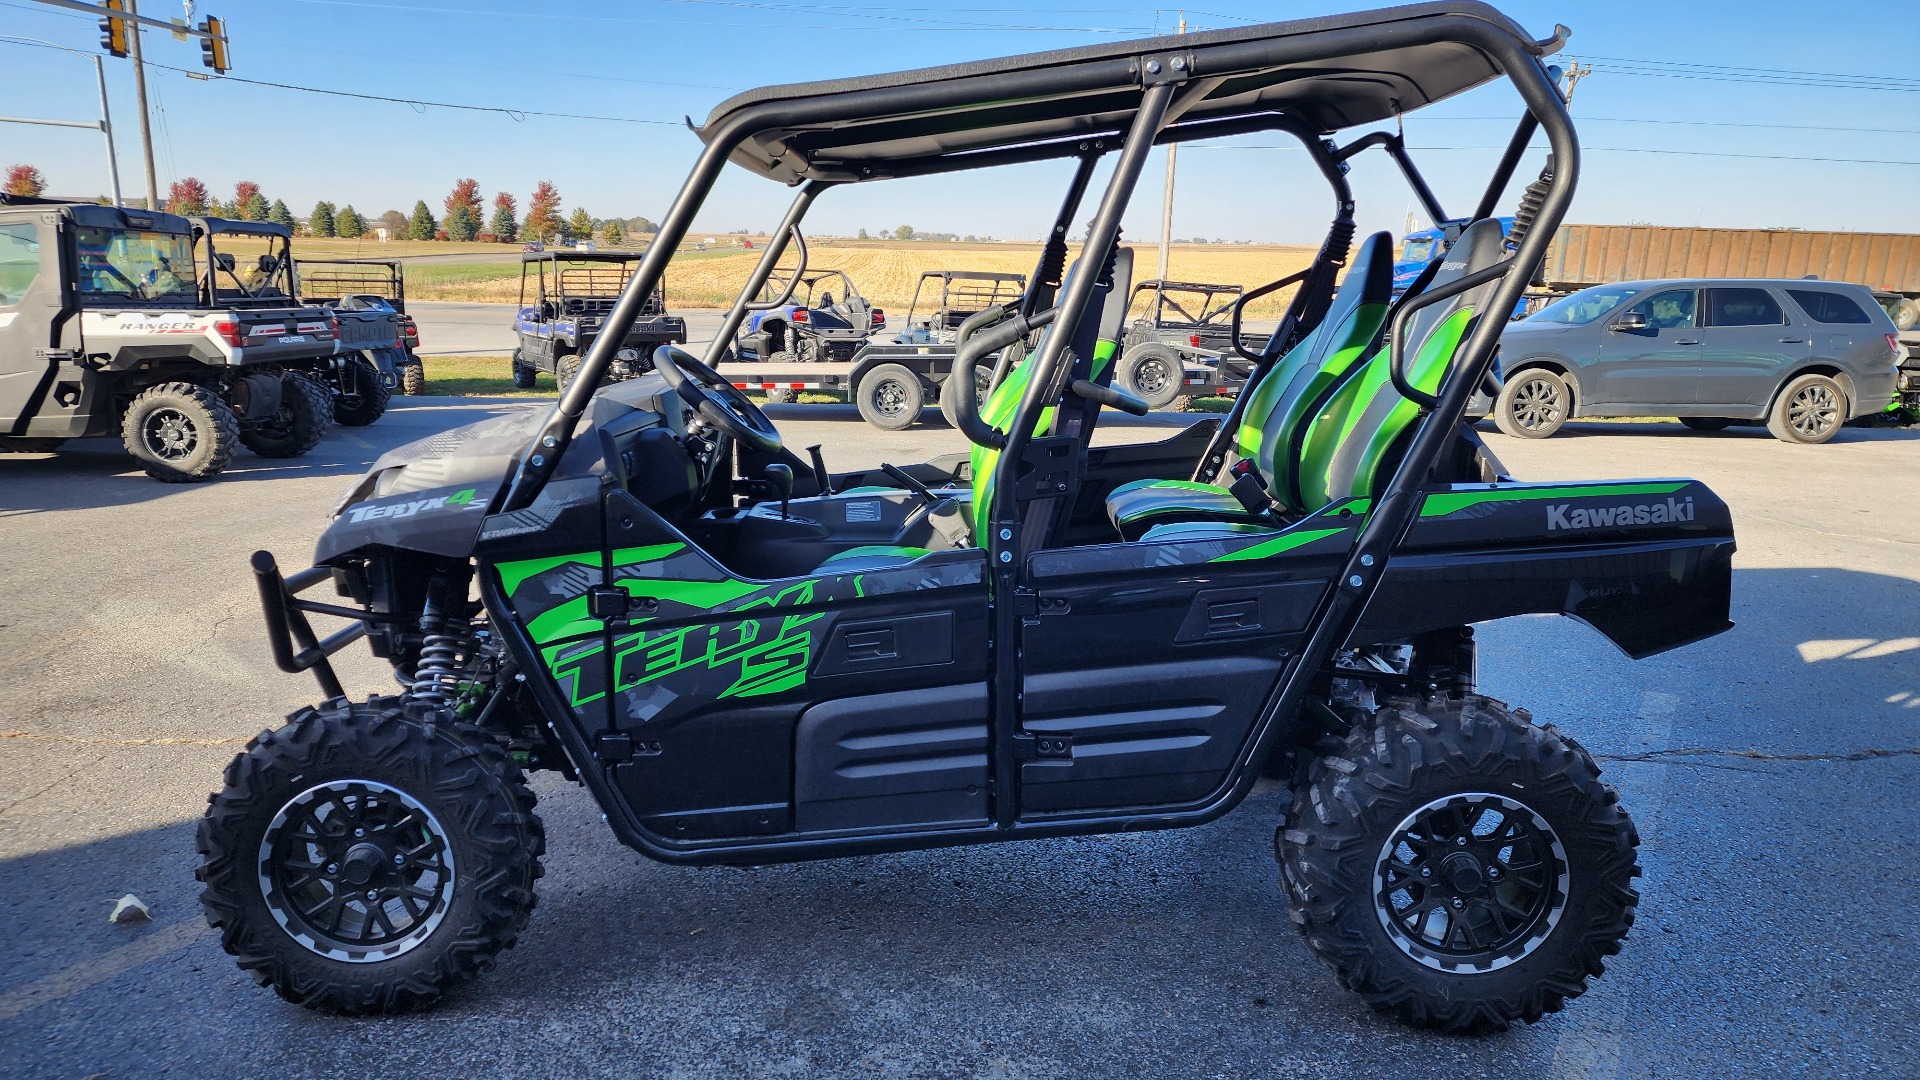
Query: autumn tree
(612, 233)
(25, 180)
(187, 196)
(279, 214)
(580, 225)
(395, 223)
(543, 212)
(244, 192)
(320, 222)
(466, 193)
(349, 223)
(421, 225)
(503, 226)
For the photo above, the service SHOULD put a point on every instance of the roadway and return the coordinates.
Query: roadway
(1773, 771)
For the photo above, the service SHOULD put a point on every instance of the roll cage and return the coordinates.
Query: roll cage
(588, 281)
(1308, 79)
(268, 282)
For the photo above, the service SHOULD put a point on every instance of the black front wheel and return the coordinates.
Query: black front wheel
(365, 857)
(1458, 866)
(524, 376)
(180, 432)
(1533, 404)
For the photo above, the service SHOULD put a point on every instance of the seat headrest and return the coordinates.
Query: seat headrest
(1369, 278)
(1480, 246)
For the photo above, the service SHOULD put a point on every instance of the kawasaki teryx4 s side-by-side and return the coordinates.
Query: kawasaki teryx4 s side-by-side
(107, 329)
(747, 659)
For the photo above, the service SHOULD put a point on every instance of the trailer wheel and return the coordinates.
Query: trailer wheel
(1809, 411)
(523, 376)
(413, 377)
(363, 395)
(367, 856)
(1458, 866)
(890, 397)
(306, 412)
(180, 433)
(949, 395)
(1151, 372)
(1533, 405)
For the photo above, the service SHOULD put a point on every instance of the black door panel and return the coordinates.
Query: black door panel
(915, 757)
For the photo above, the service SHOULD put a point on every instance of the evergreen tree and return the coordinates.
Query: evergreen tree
(580, 225)
(280, 215)
(320, 222)
(462, 223)
(255, 208)
(612, 233)
(505, 229)
(421, 226)
(349, 223)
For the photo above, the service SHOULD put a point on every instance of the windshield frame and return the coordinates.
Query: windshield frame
(1626, 295)
(174, 250)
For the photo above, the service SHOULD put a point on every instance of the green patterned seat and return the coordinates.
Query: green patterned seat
(1281, 405)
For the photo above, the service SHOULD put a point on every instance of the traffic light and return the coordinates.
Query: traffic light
(213, 47)
(113, 29)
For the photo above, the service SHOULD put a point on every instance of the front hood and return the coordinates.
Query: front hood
(1527, 329)
(431, 494)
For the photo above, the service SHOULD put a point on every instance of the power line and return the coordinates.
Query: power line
(417, 103)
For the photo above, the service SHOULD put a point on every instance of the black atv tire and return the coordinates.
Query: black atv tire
(180, 433)
(1533, 404)
(890, 397)
(1810, 410)
(524, 377)
(781, 357)
(1438, 770)
(450, 786)
(413, 377)
(1706, 423)
(306, 412)
(565, 370)
(1152, 372)
(368, 400)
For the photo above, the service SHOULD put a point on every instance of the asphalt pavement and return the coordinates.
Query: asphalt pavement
(1774, 772)
(449, 328)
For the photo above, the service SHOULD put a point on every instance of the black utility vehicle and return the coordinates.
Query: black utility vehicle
(1172, 325)
(747, 659)
(106, 329)
(358, 378)
(370, 297)
(570, 308)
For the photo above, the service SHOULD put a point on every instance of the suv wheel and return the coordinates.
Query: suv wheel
(179, 432)
(1459, 866)
(1810, 410)
(1533, 404)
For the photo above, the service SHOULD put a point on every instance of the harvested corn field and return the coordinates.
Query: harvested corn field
(885, 271)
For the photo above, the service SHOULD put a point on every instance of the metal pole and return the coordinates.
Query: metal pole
(106, 128)
(1166, 198)
(140, 100)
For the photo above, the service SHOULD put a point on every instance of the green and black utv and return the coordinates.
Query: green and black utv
(746, 659)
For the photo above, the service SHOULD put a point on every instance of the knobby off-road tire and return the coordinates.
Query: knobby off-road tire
(413, 377)
(395, 799)
(366, 400)
(523, 376)
(782, 395)
(1461, 799)
(305, 415)
(180, 433)
(565, 370)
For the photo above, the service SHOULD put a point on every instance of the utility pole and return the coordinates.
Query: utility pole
(140, 101)
(1166, 200)
(105, 123)
(1575, 72)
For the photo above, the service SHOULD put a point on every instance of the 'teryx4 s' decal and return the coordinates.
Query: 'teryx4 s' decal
(459, 500)
(1603, 517)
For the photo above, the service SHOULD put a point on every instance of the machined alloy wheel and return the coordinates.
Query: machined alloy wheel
(1471, 882)
(1809, 410)
(1533, 404)
(180, 432)
(357, 871)
(170, 435)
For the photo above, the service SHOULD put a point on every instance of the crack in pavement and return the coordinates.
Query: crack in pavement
(90, 740)
(1869, 754)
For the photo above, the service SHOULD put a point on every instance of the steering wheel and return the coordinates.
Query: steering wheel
(716, 399)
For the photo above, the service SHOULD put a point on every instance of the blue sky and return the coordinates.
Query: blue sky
(659, 60)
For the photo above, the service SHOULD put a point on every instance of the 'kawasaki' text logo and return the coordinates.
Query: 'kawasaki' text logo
(459, 500)
(1560, 517)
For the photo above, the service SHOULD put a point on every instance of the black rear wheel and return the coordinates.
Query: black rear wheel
(363, 395)
(565, 370)
(413, 377)
(180, 433)
(367, 856)
(1458, 866)
(523, 376)
(305, 414)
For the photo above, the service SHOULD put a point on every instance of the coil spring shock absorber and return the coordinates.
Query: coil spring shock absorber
(1530, 203)
(446, 642)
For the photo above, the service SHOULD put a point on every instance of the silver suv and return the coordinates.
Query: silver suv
(1803, 356)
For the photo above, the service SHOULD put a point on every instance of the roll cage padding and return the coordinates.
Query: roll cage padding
(1351, 434)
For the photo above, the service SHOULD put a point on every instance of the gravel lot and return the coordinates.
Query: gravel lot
(1774, 773)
